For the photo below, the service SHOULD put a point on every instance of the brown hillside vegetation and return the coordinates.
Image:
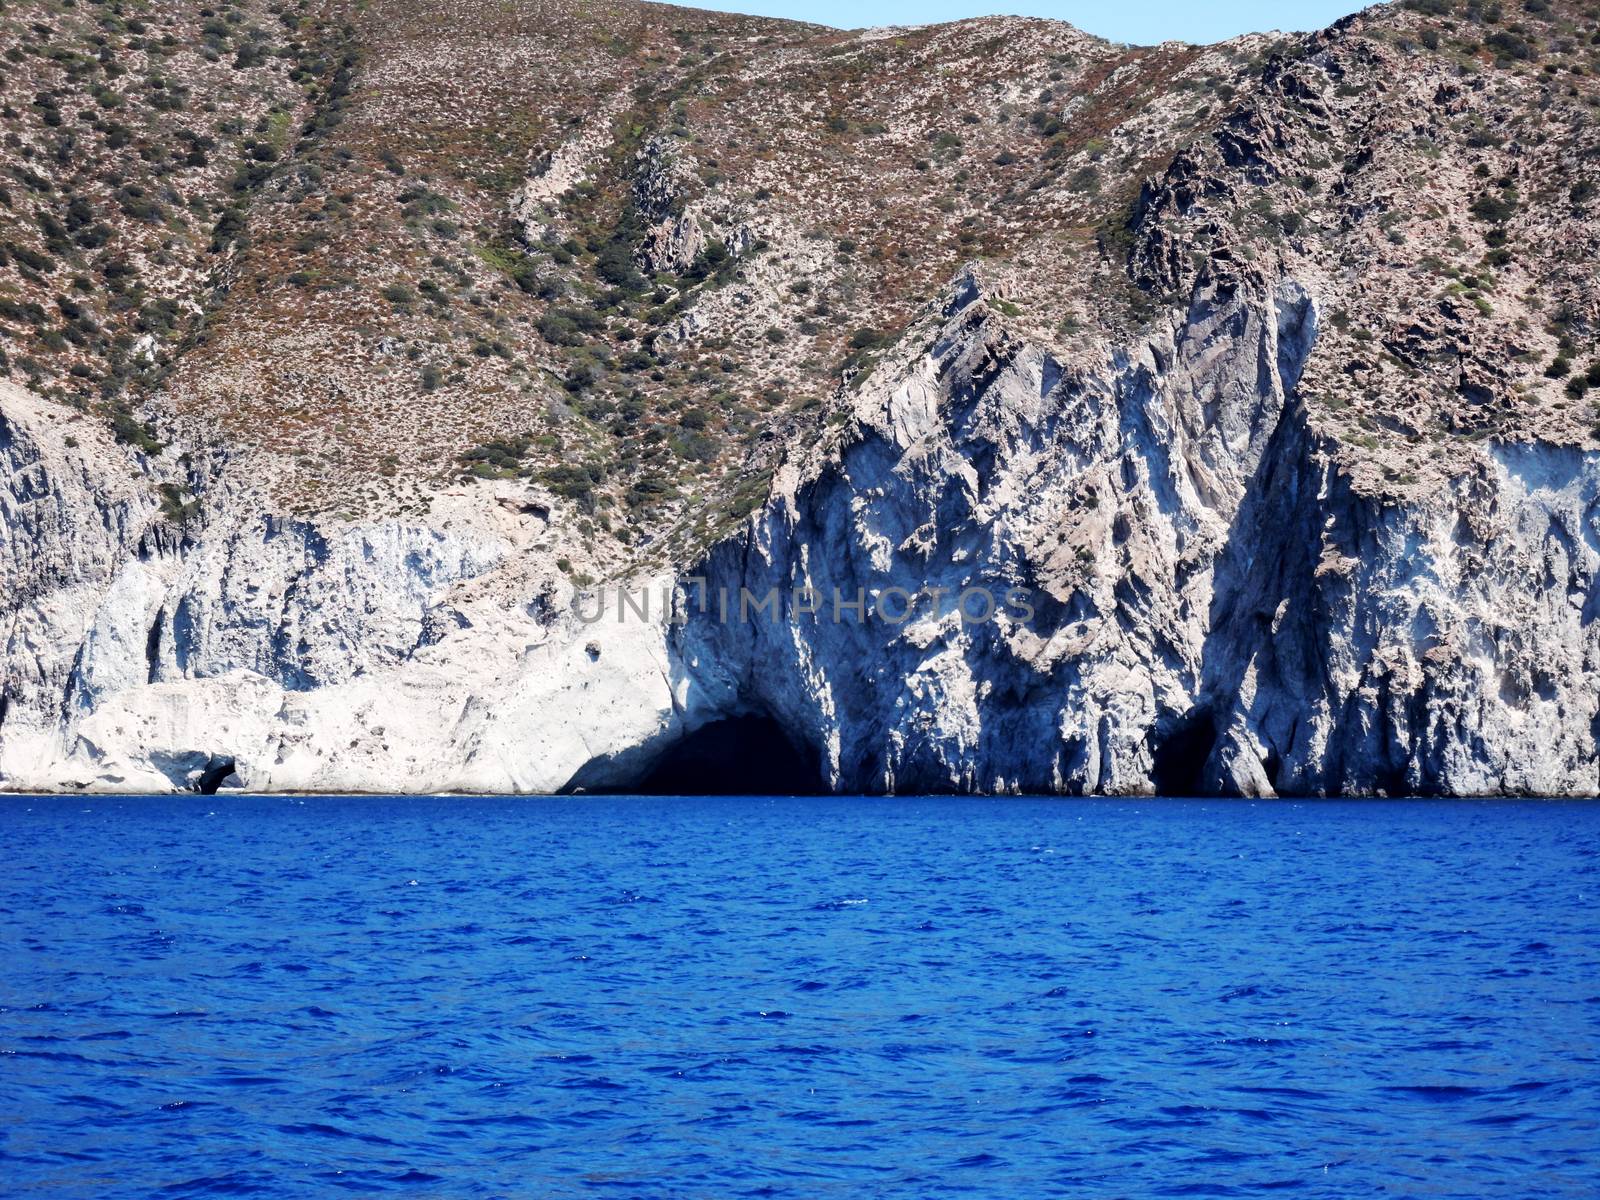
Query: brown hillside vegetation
(635, 252)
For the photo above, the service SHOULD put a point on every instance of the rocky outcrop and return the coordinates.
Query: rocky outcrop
(303, 655)
(1437, 646)
(672, 239)
(1090, 501)
(1214, 606)
(71, 520)
(1133, 572)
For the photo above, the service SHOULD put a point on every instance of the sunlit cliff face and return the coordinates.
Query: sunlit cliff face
(347, 386)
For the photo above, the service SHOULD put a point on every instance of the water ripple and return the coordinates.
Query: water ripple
(809, 998)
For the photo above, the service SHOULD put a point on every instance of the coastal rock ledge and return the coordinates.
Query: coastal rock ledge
(441, 397)
(1214, 605)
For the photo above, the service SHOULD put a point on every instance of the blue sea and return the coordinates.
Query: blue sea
(742, 996)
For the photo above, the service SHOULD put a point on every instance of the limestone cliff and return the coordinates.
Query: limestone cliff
(1245, 387)
(1217, 607)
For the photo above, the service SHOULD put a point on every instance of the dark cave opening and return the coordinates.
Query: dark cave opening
(213, 776)
(152, 651)
(1181, 751)
(736, 756)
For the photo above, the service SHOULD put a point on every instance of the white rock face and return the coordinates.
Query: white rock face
(1215, 608)
(395, 656)
(1189, 595)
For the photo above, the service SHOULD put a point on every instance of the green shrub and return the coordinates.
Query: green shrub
(34, 260)
(173, 505)
(497, 459)
(648, 491)
(714, 260)
(229, 229)
(130, 431)
(866, 338)
(140, 205)
(22, 313)
(1510, 45)
(574, 482)
(614, 264)
(582, 376)
(565, 326)
(1044, 123)
(1495, 209)
(515, 265)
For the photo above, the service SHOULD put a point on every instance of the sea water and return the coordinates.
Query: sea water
(842, 997)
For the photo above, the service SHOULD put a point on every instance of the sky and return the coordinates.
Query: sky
(1138, 21)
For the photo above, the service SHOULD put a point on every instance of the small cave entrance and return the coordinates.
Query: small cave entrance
(214, 775)
(1181, 751)
(737, 756)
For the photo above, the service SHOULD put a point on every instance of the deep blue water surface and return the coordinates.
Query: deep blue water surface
(798, 998)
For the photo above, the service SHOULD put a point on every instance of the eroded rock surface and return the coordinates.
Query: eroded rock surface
(678, 382)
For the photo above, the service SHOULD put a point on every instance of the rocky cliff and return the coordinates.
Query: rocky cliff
(974, 408)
